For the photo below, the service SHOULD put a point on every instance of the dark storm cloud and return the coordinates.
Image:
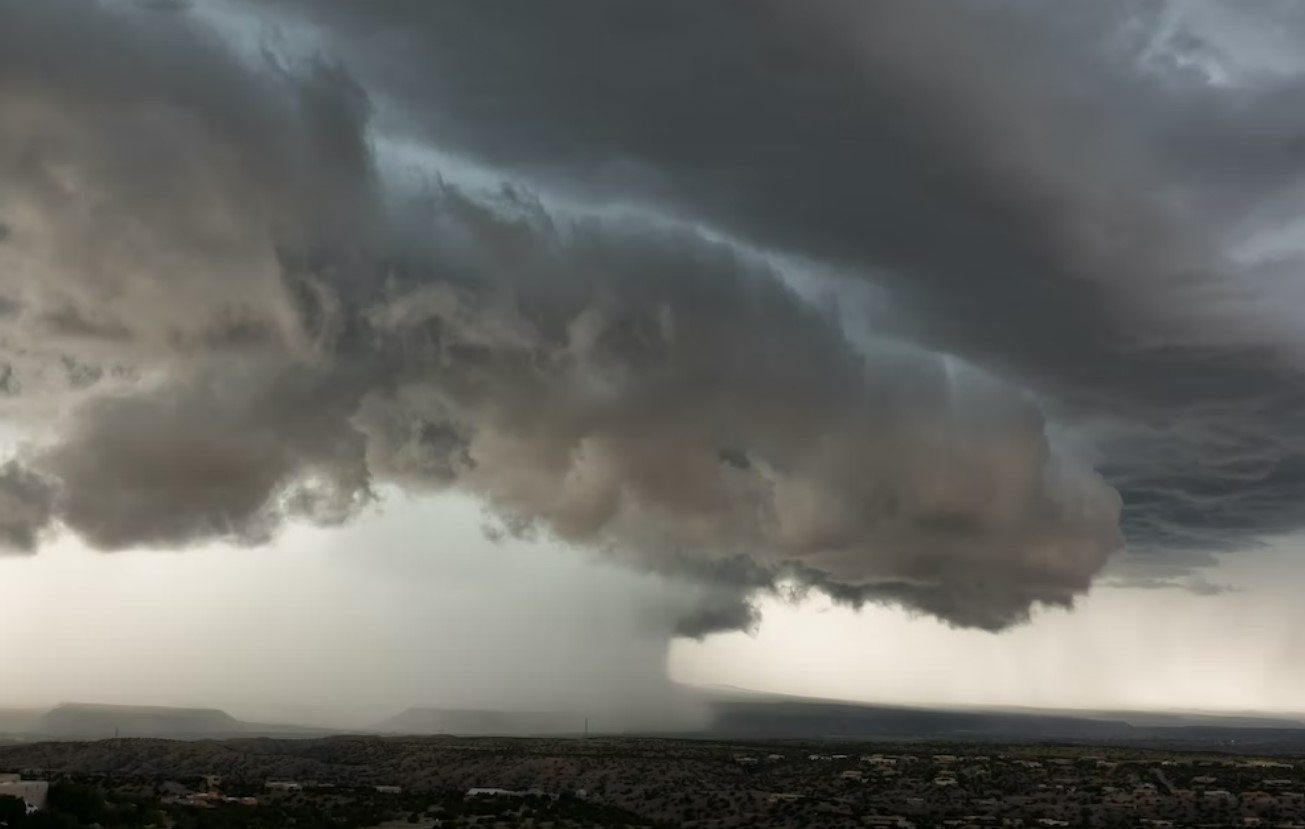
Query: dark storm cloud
(26, 507)
(586, 379)
(1062, 196)
(279, 329)
(226, 453)
(265, 323)
(148, 178)
(729, 614)
(661, 397)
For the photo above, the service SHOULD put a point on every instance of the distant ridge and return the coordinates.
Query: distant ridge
(740, 714)
(743, 711)
(482, 723)
(736, 714)
(85, 720)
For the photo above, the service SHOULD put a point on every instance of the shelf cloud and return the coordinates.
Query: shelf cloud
(225, 304)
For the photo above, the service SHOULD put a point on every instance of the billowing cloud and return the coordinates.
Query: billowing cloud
(26, 507)
(225, 308)
(1100, 204)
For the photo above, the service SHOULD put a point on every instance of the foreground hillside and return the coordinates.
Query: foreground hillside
(653, 782)
(427, 762)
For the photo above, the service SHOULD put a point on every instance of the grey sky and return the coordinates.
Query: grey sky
(956, 310)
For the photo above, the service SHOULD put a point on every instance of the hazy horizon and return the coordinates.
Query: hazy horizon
(307, 649)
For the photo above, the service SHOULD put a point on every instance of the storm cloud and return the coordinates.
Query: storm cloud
(1100, 204)
(227, 304)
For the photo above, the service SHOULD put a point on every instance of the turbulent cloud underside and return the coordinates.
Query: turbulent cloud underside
(221, 307)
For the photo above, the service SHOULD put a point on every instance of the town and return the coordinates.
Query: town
(561, 783)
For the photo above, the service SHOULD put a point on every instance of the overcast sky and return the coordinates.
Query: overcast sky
(364, 355)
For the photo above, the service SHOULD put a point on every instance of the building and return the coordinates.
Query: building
(31, 792)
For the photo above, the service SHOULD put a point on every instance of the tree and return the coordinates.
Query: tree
(85, 803)
(13, 811)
